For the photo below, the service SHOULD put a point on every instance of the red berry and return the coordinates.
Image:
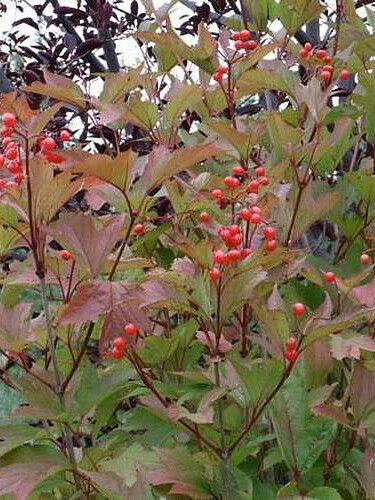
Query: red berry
(130, 329)
(6, 132)
(330, 277)
(238, 170)
(204, 217)
(222, 70)
(344, 75)
(269, 233)
(264, 181)
(250, 45)
(253, 187)
(321, 54)
(245, 214)
(327, 59)
(291, 344)
(236, 36)
(219, 257)
(326, 75)
(255, 218)
(117, 353)
(11, 154)
(2, 159)
(291, 356)
(14, 167)
(234, 255)
(234, 229)
(48, 143)
(2, 183)
(245, 252)
(303, 53)
(8, 120)
(18, 178)
(244, 35)
(328, 67)
(259, 171)
(65, 255)
(119, 343)
(238, 45)
(231, 182)
(139, 229)
(217, 194)
(65, 135)
(365, 259)
(299, 309)
(271, 245)
(308, 46)
(215, 274)
(256, 210)
(217, 77)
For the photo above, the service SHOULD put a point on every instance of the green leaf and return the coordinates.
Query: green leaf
(301, 437)
(295, 13)
(324, 493)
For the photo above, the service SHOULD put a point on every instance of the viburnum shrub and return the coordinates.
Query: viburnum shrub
(187, 302)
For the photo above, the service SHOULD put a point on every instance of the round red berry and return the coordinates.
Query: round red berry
(245, 214)
(259, 171)
(204, 217)
(299, 309)
(219, 257)
(344, 75)
(245, 252)
(238, 170)
(264, 181)
(48, 143)
(326, 75)
(231, 182)
(222, 70)
(6, 132)
(139, 229)
(14, 167)
(65, 135)
(244, 35)
(11, 154)
(269, 233)
(328, 67)
(321, 54)
(330, 277)
(2, 160)
(291, 356)
(119, 343)
(239, 45)
(234, 229)
(130, 329)
(9, 120)
(236, 35)
(234, 255)
(256, 210)
(217, 194)
(327, 59)
(18, 178)
(215, 274)
(308, 46)
(217, 76)
(253, 187)
(303, 53)
(117, 353)
(291, 344)
(65, 255)
(365, 259)
(255, 218)
(271, 245)
(250, 45)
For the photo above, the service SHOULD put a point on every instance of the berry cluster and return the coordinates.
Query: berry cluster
(48, 147)
(291, 353)
(120, 343)
(326, 71)
(242, 40)
(10, 152)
